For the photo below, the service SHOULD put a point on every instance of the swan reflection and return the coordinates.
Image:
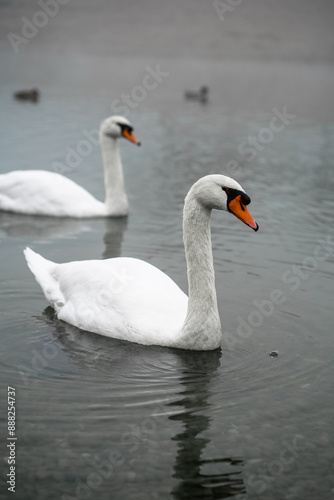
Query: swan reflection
(114, 229)
(46, 228)
(181, 382)
(35, 226)
(203, 478)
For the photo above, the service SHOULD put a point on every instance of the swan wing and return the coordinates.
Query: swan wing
(39, 192)
(123, 298)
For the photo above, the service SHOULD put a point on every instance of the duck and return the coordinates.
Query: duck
(42, 192)
(129, 299)
(201, 95)
(27, 95)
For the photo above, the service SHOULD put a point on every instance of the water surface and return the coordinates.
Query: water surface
(101, 418)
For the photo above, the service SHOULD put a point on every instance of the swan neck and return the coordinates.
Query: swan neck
(115, 196)
(202, 324)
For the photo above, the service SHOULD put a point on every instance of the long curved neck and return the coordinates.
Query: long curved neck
(116, 200)
(202, 327)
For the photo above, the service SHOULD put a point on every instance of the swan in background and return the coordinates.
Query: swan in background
(129, 299)
(40, 192)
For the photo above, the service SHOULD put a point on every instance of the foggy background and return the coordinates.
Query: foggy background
(266, 29)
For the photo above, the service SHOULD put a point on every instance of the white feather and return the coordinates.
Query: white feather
(130, 299)
(40, 192)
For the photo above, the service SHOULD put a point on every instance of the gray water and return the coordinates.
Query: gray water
(101, 418)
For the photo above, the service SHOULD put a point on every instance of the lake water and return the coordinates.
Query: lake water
(101, 418)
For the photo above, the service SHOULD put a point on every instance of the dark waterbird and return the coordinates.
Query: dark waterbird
(32, 95)
(201, 95)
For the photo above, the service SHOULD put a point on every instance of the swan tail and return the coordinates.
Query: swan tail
(43, 270)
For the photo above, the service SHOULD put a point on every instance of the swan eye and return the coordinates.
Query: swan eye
(123, 126)
(225, 189)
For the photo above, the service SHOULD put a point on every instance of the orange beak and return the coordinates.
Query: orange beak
(130, 136)
(237, 208)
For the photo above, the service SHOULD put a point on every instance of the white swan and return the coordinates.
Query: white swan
(40, 192)
(129, 299)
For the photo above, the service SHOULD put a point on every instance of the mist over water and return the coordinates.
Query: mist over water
(101, 418)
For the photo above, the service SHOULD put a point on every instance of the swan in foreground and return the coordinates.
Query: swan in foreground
(129, 299)
(40, 192)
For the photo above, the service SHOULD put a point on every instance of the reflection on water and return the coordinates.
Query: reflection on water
(44, 228)
(33, 226)
(113, 236)
(198, 474)
(211, 478)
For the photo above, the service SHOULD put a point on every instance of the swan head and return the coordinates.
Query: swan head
(118, 126)
(223, 193)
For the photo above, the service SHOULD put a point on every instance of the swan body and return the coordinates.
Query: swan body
(40, 192)
(129, 299)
